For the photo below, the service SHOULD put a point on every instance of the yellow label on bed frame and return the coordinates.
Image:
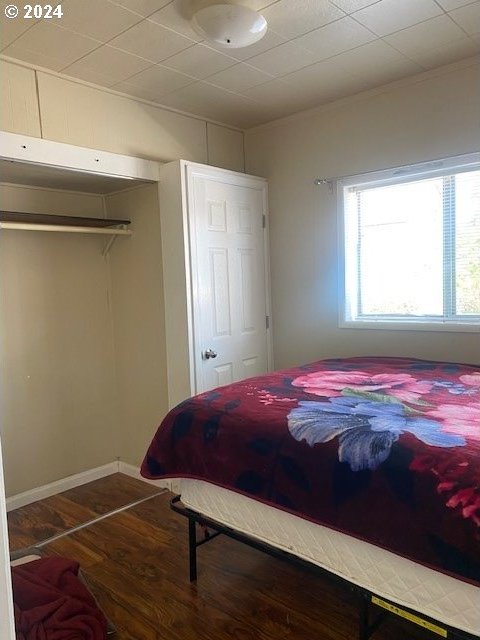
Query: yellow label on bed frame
(410, 616)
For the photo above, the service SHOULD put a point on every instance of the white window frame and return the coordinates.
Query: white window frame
(433, 169)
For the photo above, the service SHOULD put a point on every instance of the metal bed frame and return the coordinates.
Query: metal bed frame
(368, 602)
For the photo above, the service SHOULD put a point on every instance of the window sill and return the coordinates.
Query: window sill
(394, 325)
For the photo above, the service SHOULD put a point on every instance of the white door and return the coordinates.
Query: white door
(226, 217)
(7, 625)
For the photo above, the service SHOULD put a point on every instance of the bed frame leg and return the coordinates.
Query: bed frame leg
(192, 548)
(364, 627)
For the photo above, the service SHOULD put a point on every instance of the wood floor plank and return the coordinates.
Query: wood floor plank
(110, 493)
(136, 565)
(41, 520)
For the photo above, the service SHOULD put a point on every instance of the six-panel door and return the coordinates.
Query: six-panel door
(228, 277)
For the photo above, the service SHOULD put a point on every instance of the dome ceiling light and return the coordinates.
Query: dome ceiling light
(231, 26)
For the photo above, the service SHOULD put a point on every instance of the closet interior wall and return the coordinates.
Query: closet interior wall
(138, 320)
(82, 343)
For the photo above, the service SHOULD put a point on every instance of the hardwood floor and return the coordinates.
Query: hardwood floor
(136, 564)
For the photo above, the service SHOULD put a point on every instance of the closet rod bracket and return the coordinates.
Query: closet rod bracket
(110, 242)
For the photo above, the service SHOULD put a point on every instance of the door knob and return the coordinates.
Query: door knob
(210, 353)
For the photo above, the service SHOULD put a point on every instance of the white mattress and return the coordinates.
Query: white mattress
(386, 574)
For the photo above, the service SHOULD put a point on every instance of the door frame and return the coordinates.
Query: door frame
(192, 170)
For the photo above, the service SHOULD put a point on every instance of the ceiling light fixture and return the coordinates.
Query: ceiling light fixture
(230, 25)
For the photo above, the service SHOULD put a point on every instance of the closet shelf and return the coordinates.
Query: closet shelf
(66, 222)
(18, 221)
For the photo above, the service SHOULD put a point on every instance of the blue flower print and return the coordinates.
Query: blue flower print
(366, 430)
(455, 388)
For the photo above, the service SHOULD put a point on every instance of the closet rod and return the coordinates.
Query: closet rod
(20, 226)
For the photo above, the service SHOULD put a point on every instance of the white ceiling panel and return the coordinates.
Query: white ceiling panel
(151, 41)
(270, 92)
(349, 6)
(283, 59)
(468, 18)
(447, 53)
(427, 35)
(211, 102)
(240, 77)
(376, 63)
(175, 16)
(334, 38)
(158, 81)
(112, 64)
(10, 30)
(54, 46)
(292, 18)
(98, 19)
(142, 7)
(388, 16)
(199, 61)
(449, 5)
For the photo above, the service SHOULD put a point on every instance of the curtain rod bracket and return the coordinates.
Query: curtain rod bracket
(322, 181)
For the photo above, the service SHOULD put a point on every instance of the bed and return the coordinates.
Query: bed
(366, 467)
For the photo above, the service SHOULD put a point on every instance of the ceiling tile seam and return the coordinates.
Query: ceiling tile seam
(447, 13)
(440, 6)
(150, 63)
(227, 91)
(426, 68)
(387, 35)
(404, 55)
(100, 43)
(34, 23)
(349, 13)
(165, 60)
(270, 4)
(107, 42)
(122, 6)
(459, 25)
(158, 64)
(19, 36)
(284, 77)
(244, 63)
(327, 25)
(117, 4)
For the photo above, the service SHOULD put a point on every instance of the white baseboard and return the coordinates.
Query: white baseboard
(134, 472)
(47, 490)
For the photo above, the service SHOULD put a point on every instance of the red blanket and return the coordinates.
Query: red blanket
(384, 449)
(51, 603)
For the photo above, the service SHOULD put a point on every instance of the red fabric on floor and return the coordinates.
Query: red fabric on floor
(51, 603)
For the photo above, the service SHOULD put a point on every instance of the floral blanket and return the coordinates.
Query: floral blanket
(383, 449)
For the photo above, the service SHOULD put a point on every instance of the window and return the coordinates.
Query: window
(411, 247)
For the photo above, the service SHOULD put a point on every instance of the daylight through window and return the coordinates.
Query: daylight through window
(412, 249)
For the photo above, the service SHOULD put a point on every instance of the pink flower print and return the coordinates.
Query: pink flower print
(267, 398)
(469, 500)
(473, 379)
(331, 383)
(460, 419)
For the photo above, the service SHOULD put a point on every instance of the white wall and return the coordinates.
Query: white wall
(429, 116)
(58, 410)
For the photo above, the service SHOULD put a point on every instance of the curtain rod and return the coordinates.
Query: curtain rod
(397, 171)
(429, 165)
